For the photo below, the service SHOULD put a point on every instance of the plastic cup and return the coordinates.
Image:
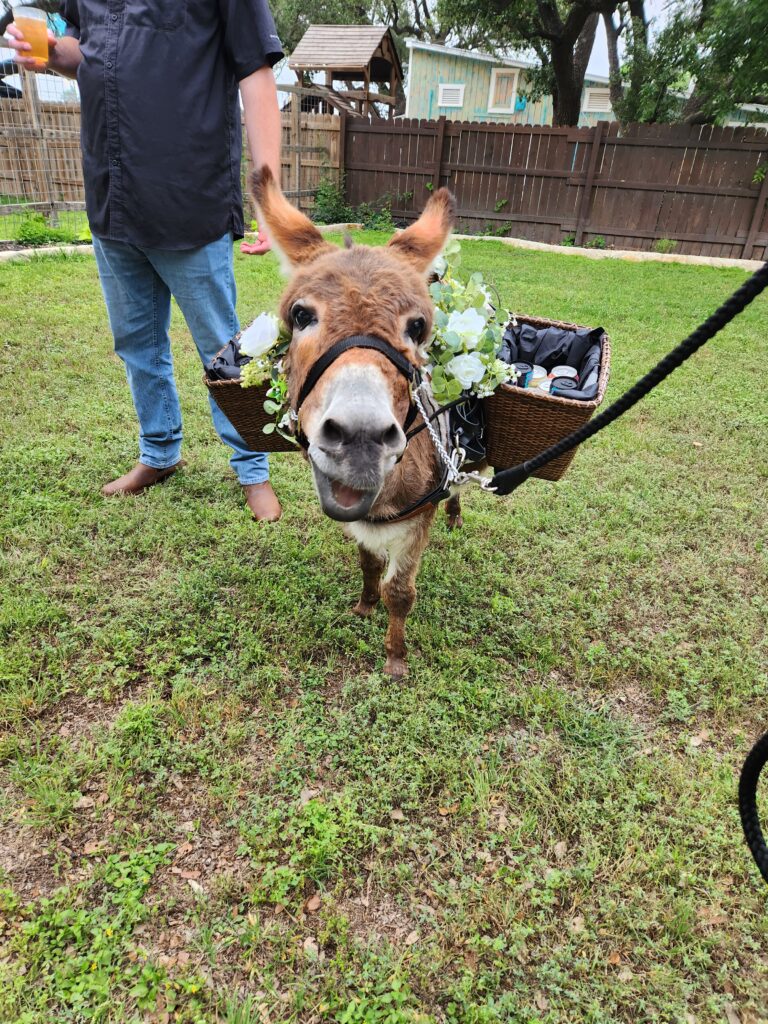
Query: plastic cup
(34, 24)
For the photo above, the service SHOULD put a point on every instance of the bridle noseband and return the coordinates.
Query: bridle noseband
(411, 373)
(322, 363)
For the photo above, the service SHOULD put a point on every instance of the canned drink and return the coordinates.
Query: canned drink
(524, 371)
(564, 371)
(562, 385)
(538, 375)
(544, 387)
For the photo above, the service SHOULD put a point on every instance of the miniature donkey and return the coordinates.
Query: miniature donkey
(352, 420)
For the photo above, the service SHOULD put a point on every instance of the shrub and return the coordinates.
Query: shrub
(598, 242)
(569, 240)
(34, 230)
(376, 216)
(664, 245)
(330, 204)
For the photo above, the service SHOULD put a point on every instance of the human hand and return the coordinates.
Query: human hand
(17, 42)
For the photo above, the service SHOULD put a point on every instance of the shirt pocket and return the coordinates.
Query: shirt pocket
(162, 15)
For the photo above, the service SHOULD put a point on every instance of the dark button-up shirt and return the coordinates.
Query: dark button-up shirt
(160, 128)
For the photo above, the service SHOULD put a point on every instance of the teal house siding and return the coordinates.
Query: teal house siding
(431, 67)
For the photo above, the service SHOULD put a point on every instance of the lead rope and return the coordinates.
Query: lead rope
(454, 474)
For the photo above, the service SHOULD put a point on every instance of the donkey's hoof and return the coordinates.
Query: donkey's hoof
(396, 668)
(455, 522)
(363, 609)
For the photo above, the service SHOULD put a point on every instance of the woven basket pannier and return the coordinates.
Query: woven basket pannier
(244, 408)
(521, 422)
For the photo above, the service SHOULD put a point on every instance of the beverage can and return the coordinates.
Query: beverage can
(524, 371)
(544, 387)
(564, 371)
(538, 375)
(562, 385)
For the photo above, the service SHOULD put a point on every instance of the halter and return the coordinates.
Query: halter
(318, 368)
(411, 373)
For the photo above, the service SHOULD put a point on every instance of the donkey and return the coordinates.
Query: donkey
(353, 410)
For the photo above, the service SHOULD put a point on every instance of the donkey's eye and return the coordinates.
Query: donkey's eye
(302, 317)
(415, 329)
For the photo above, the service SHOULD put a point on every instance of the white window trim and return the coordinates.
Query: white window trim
(450, 85)
(587, 94)
(506, 72)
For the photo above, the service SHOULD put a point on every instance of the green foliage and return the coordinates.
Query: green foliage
(34, 230)
(598, 242)
(74, 945)
(569, 240)
(376, 216)
(330, 205)
(759, 176)
(720, 46)
(664, 245)
(500, 204)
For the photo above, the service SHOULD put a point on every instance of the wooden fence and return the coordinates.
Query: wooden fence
(704, 189)
(41, 169)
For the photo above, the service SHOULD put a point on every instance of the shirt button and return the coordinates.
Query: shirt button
(114, 17)
(109, 63)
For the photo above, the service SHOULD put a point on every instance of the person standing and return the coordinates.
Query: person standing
(160, 85)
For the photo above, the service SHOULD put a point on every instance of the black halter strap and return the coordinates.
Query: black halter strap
(318, 368)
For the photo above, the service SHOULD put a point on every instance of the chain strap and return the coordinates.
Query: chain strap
(454, 461)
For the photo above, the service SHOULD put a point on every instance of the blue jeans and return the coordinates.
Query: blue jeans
(138, 284)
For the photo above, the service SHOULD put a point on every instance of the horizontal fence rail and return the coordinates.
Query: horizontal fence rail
(697, 189)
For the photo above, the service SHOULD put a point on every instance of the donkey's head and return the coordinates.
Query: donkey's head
(353, 416)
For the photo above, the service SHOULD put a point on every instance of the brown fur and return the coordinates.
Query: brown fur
(359, 290)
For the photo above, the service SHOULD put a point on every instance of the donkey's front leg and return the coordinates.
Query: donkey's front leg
(399, 592)
(372, 566)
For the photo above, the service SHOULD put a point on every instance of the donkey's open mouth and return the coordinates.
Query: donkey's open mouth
(340, 500)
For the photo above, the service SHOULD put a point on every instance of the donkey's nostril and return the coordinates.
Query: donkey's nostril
(332, 433)
(391, 436)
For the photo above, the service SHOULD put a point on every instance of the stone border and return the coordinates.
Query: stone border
(630, 255)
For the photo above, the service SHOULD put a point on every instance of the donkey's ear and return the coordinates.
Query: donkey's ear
(424, 240)
(293, 236)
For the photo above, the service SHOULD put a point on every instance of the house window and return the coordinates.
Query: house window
(450, 95)
(503, 94)
(597, 101)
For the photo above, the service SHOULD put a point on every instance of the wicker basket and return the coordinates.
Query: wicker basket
(521, 422)
(244, 408)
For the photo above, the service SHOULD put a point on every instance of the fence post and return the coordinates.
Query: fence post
(439, 136)
(296, 143)
(42, 170)
(757, 216)
(343, 150)
(585, 205)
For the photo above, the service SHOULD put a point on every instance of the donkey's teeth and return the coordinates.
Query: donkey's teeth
(346, 496)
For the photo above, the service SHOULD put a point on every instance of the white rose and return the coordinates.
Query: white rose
(467, 369)
(469, 325)
(259, 338)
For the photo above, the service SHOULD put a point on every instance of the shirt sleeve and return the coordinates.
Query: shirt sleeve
(69, 12)
(250, 37)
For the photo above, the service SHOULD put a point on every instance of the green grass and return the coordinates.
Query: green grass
(197, 738)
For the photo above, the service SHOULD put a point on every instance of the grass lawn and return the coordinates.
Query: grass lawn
(216, 808)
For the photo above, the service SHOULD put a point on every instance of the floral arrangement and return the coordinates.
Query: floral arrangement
(266, 341)
(462, 353)
(468, 331)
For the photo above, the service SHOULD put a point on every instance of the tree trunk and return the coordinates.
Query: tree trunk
(569, 67)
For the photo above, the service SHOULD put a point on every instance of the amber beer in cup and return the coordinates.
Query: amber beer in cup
(34, 24)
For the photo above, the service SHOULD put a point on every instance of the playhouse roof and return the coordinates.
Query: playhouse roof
(343, 48)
